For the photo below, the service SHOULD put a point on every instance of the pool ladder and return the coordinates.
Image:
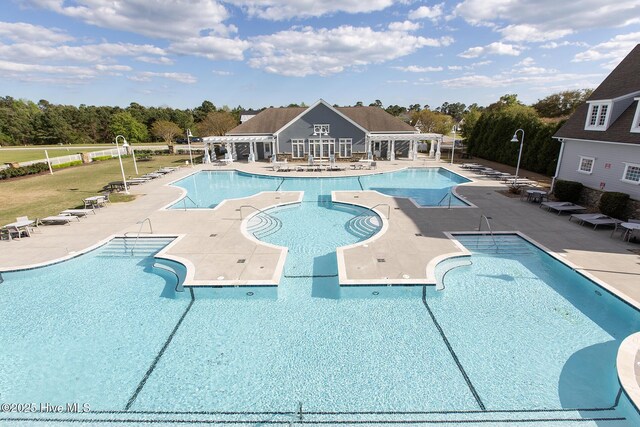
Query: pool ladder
(135, 243)
(449, 195)
(184, 202)
(486, 220)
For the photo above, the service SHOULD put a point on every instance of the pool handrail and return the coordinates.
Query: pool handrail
(486, 220)
(147, 219)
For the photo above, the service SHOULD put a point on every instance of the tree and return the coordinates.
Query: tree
(395, 110)
(505, 101)
(469, 120)
(455, 110)
(166, 130)
(359, 104)
(414, 107)
(199, 113)
(124, 124)
(377, 103)
(432, 122)
(216, 123)
(561, 104)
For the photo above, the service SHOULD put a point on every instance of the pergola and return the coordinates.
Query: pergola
(230, 141)
(413, 139)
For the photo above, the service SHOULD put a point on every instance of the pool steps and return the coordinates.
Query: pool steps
(364, 225)
(262, 225)
(128, 247)
(506, 244)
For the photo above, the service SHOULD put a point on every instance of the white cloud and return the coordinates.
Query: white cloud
(160, 60)
(529, 33)
(526, 62)
(165, 19)
(555, 45)
(613, 50)
(511, 79)
(147, 76)
(495, 48)
(23, 32)
(418, 69)
(69, 75)
(278, 10)
(211, 47)
(404, 26)
(305, 51)
(426, 12)
(222, 73)
(548, 19)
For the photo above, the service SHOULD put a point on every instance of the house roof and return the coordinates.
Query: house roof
(373, 119)
(623, 80)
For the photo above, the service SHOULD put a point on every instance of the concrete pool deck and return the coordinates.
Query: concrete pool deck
(212, 242)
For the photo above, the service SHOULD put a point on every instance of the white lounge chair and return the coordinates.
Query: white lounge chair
(595, 219)
(59, 219)
(78, 212)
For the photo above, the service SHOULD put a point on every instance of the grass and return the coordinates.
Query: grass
(36, 152)
(44, 195)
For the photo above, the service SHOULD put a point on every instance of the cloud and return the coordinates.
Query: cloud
(526, 62)
(613, 50)
(307, 51)
(70, 75)
(404, 26)
(547, 19)
(164, 19)
(426, 12)
(147, 76)
(418, 69)
(23, 32)
(495, 48)
(555, 45)
(279, 10)
(160, 60)
(222, 73)
(511, 79)
(211, 47)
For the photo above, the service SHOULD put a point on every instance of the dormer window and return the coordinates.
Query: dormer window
(635, 126)
(598, 116)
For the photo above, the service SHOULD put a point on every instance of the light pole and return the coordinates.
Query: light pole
(124, 180)
(521, 141)
(133, 154)
(453, 147)
(189, 135)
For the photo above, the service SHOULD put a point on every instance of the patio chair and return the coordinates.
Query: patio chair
(627, 233)
(59, 219)
(78, 212)
(562, 207)
(595, 219)
(373, 165)
(11, 232)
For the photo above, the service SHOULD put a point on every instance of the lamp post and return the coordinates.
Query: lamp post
(189, 135)
(124, 179)
(453, 147)
(521, 141)
(133, 154)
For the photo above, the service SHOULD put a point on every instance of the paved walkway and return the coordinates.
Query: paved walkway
(212, 242)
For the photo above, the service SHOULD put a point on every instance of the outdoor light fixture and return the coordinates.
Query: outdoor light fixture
(124, 144)
(521, 141)
(453, 147)
(189, 135)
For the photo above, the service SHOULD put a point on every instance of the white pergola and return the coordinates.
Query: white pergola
(230, 141)
(413, 139)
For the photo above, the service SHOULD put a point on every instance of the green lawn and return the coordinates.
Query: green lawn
(36, 152)
(44, 195)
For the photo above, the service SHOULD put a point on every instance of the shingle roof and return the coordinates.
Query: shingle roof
(373, 119)
(623, 80)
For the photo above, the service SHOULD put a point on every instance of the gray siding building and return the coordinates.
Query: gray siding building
(601, 140)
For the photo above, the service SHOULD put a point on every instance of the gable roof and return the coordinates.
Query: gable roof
(271, 120)
(623, 80)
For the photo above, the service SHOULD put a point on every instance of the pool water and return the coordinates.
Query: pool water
(515, 337)
(425, 186)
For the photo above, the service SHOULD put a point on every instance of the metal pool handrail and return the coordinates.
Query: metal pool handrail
(486, 220)
(147, 219)
(449, 194)
(184, 202)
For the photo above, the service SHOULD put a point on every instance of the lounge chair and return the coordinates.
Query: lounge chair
(59, 219)
(10, 232)
(595, 219)
(78, 212)
(561, 207)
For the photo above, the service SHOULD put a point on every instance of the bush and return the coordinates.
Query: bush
(24, 170)
(101, 158)
(567, 191)
(66, 165)
(613, 204)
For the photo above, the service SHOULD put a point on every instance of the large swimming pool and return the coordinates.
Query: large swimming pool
(514, 337)
(425, 186)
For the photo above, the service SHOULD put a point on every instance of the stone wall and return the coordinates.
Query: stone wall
(590, 199)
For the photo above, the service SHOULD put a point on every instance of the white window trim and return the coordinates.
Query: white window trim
(598, 105)
(593, 163)
(344, 142)
(298, 142)
(635, 125)
(624, 173)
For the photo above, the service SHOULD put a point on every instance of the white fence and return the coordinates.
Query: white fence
(113, 152)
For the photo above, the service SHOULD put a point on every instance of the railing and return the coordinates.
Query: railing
(449, 195)
(184, 202)
(140, 232)
(259, 210)
(486, 220)
(383, 204)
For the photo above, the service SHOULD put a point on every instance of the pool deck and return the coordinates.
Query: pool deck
(212, 243)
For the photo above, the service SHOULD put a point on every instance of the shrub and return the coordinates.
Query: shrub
(66, 165)
(613, 204)
(23, 170)
(567, 191)
(101, 158)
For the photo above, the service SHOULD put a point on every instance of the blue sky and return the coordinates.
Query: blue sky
(258, 53)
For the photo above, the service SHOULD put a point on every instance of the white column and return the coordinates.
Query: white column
(438, 153)
(431, 149)
(411, 144)
(227, 147)
(414, 151)
(392, 146)
(206, 158)
(251, 158)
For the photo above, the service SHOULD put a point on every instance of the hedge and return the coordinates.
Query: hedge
(492, 133)
(66, 165)
(567, 191)
(101, 158)
(23, 170)
(613, 204)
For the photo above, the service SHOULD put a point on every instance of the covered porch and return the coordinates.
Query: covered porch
(388, 145)
(254, 147)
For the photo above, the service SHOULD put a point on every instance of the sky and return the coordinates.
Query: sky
(260, 53)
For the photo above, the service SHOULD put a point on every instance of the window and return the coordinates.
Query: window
(598, 116)
(297, 148)
(321, 149)
(345, 146)
(586, 164)
(321, 130)
(631, 173)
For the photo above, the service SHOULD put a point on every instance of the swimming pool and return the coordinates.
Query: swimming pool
(514, 337)
(425, 186)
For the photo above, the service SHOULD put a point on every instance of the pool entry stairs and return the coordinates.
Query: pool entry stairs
(364, 225)
(128, 247)
(262, 225)
(492, 244)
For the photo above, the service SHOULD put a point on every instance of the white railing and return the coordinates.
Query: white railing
(113, 152)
